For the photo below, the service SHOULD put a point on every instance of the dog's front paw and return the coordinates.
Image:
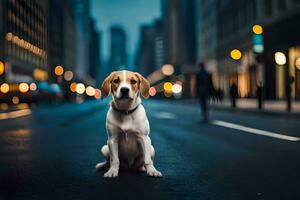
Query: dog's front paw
(111, 173)
(153, 172)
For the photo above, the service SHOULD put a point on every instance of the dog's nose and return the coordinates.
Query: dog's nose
(124, 90)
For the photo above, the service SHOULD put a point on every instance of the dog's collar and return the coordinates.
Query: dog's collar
(124, 112)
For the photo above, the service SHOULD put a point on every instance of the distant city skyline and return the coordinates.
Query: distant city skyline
(129, 14)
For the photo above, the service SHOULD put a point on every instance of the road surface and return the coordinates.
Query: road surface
(50, 153)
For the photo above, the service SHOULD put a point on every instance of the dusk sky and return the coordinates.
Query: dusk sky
(128, 13)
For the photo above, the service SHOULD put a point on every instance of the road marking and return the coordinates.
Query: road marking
(15, 114)
(165, 115)
(255, 131)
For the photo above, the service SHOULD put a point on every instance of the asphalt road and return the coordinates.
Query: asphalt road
(51, 154)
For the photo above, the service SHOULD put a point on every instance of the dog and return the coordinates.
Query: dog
(129, 145)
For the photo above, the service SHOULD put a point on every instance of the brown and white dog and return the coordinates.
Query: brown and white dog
(128, 146)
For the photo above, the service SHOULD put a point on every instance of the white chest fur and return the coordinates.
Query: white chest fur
(136, 122)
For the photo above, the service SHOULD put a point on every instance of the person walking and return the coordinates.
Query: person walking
(204, 88)
(233, 94)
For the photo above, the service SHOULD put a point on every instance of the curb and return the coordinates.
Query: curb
(256, 111)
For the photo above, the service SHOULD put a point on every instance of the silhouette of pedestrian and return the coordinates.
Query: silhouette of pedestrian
(204, 88)
(259, 95)
(288, 89)
(233, 94)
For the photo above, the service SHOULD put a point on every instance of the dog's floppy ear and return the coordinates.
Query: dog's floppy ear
(106, 84)
(144, 85)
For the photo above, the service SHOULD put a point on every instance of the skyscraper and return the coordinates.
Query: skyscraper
(62, 35)
(82, 17)
(118, 53)
(94, 49)
(23, 41)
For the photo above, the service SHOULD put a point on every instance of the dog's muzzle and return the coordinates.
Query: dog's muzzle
(124, 93)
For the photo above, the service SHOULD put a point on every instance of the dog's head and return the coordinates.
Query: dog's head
(125, 85)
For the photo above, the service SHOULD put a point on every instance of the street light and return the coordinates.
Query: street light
(257, 29)
(236, 54)
(280, 58)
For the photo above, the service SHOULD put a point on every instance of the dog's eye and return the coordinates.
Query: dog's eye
(116, 81)
(133, 82)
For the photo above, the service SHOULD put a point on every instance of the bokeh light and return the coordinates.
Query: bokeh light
(15, 100)
(59, 70)
(68, 75)
(176, 88)
(257, 29)
(167, 69)
(97, 94)
(4, 106)
(168, 86)
(1, 68)
(168, 94)
(32, 87)
(152, 91)
(23, 87)
(280, 58)
(4, 88)
(73, 87)
(90, 91)
(80, 88)
(236, 54)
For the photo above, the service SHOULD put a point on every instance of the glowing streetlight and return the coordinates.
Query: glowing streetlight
(167, 69)
(257, 29)
(280, 58)
(236, 54)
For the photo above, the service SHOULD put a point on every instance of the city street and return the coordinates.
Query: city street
(51, 154)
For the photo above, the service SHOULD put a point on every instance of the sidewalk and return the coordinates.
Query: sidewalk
(271, 107)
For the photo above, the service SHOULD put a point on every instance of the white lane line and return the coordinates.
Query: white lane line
(15, 114)
(255, 131)
(165, 115)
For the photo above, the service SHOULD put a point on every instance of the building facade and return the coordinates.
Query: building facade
(150, 54)
(118, 44)
(82, 18)
(23, 41)
(62, 36)
(229, 25)
(180, 39)
(94, 49)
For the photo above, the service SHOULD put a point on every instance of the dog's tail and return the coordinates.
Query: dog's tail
(101, 166)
